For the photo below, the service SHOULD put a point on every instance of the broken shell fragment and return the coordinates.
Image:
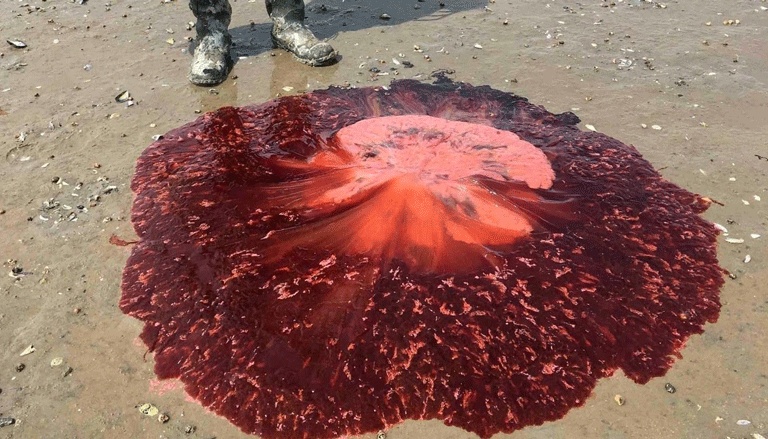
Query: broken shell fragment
(28, 350)
(734, 240)
(17, 43)
(148, 409)
(619, 400)
(720, 227)
(124, 96)
(57, 361)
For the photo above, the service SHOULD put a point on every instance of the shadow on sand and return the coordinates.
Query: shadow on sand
(327, 18)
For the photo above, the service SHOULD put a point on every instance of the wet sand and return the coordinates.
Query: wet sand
(617, 67)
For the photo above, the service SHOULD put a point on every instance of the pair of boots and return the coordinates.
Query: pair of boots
(211, 61)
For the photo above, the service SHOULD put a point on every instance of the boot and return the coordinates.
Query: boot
(290, 33)
(211, 61)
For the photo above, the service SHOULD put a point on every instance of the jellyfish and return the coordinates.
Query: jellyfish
(336, 262)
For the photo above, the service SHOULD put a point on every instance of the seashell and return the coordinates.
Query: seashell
(17, 43)
(124, 96)
(148, 409)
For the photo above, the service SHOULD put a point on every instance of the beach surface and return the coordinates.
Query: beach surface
(685, 82)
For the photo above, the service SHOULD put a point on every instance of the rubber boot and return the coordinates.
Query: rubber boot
(211, 61)
(290, 33)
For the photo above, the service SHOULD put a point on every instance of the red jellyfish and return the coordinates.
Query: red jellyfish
(336, 262)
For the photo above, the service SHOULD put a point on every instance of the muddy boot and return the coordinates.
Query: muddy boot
(211, 61)
(290, 33)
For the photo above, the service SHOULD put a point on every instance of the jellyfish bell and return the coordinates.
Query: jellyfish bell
(334, 263)
(411, 188)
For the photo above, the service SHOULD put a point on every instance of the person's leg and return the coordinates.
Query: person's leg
(290, 33)
(211, 61)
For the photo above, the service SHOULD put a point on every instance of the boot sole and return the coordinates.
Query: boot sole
(324, 61)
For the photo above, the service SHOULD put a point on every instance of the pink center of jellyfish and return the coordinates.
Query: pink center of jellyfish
(414, 189)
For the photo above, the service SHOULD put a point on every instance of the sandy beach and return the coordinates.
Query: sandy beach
(686, 83)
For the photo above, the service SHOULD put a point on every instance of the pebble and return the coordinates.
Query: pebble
(670, 388)
(381, 435)
(57, 361)
(590, 127)
(189, 429)
(656, 127)
(747, 258)
(743, 422)
(385, 16)
(170, 41)
(4, 422)
(163, 418)
(619, 400)
(20, 367)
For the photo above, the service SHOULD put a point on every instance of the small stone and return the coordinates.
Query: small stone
(68, 372)
(670, 388)
(619, 400)
(20, 367)
(656, 127)
(4, 422)
(743, 422)
(189, 429)
(163, 418)
(385, 16)
(55, 180)
(57, 361)
(381, 435)
(170, 41)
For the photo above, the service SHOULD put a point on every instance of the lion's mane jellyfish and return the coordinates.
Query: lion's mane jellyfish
(337, 262)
